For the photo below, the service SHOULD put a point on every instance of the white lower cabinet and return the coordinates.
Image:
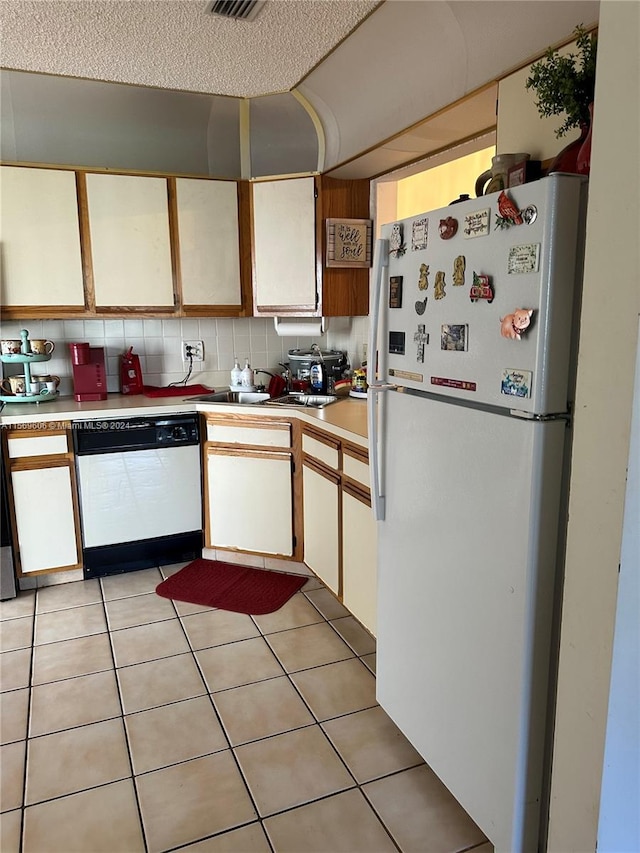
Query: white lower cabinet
(250, 501)
(249, 485)
(359, 558)
(339, 528)
(43, 500)
(45, 522)
(321, 492)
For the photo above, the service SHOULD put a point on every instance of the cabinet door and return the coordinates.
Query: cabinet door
(284, 246)
(208, 242)
(41, 259)
(359, 558)
(250, 500)
(321, 496)
(130, 243)
(45, 518)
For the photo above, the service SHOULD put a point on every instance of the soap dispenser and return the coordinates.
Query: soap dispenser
(247, 376)
(236, 374)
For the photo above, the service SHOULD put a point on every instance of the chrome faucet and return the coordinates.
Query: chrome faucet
(286, 375)
(266, 372)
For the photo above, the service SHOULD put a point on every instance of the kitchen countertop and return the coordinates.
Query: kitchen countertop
(347, 417)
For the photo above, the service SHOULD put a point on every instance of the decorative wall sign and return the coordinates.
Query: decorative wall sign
(516, 383)
(524, 258)
(453, 338)
(421, 305)
(349, 242)
(395, 291)
(397, 246)
(481, 288)
(476, 224)
(423, 281)
(459, 266)
(421, 338)
(448, 227)
(438, 286)
(419, 234)
(516, 324)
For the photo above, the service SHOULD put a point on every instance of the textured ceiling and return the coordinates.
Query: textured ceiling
(175, 44)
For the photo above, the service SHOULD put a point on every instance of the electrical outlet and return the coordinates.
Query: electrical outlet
(365, 347)
(193, 350)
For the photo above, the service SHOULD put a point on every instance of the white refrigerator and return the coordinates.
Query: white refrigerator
(472, 350)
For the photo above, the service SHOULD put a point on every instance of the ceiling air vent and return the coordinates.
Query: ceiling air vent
(240, 10)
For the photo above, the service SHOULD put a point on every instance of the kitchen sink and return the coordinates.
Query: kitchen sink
(312, 401)
(246, 398)
(253, 398)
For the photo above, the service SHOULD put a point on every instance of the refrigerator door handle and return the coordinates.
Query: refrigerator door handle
(375, 406)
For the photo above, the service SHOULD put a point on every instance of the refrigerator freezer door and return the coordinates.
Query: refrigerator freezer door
(451, 344)
(466, 560)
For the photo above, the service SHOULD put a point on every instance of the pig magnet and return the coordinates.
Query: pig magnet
(515, 325)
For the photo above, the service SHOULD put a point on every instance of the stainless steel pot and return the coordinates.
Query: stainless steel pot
(300, 361)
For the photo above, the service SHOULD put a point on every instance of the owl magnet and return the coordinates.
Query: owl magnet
(397, 246)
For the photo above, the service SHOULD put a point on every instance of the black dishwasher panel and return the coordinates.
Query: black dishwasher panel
(120, 434)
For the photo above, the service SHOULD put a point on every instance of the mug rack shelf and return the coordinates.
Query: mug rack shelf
(26, 358)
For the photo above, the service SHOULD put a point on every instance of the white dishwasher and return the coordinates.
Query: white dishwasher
(140, 486)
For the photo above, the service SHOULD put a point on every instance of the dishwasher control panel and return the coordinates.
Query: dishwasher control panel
(112, 435)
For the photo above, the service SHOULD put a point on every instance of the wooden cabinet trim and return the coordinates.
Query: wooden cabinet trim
(34, 463)
(355, 490)
(85, 242)
(245, 237)
(323, 437)
(321, 469)
(361, 454)
(35, 432)
(225, 450)
(243, 420)
(174, 242)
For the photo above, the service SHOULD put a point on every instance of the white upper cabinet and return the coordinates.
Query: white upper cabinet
(284, 246)
(130, 241)
(208, 241)
(40, 234)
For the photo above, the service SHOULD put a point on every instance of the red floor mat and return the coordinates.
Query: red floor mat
(231, 587)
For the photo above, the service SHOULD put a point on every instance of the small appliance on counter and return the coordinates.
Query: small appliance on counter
(131, 373)
(334, 362)
(89, 372)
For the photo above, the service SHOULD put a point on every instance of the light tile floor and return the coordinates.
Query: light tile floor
(133, 723)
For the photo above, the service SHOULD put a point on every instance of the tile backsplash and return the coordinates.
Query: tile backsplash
(158, 343)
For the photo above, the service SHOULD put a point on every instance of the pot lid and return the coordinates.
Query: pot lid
(308, 354)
